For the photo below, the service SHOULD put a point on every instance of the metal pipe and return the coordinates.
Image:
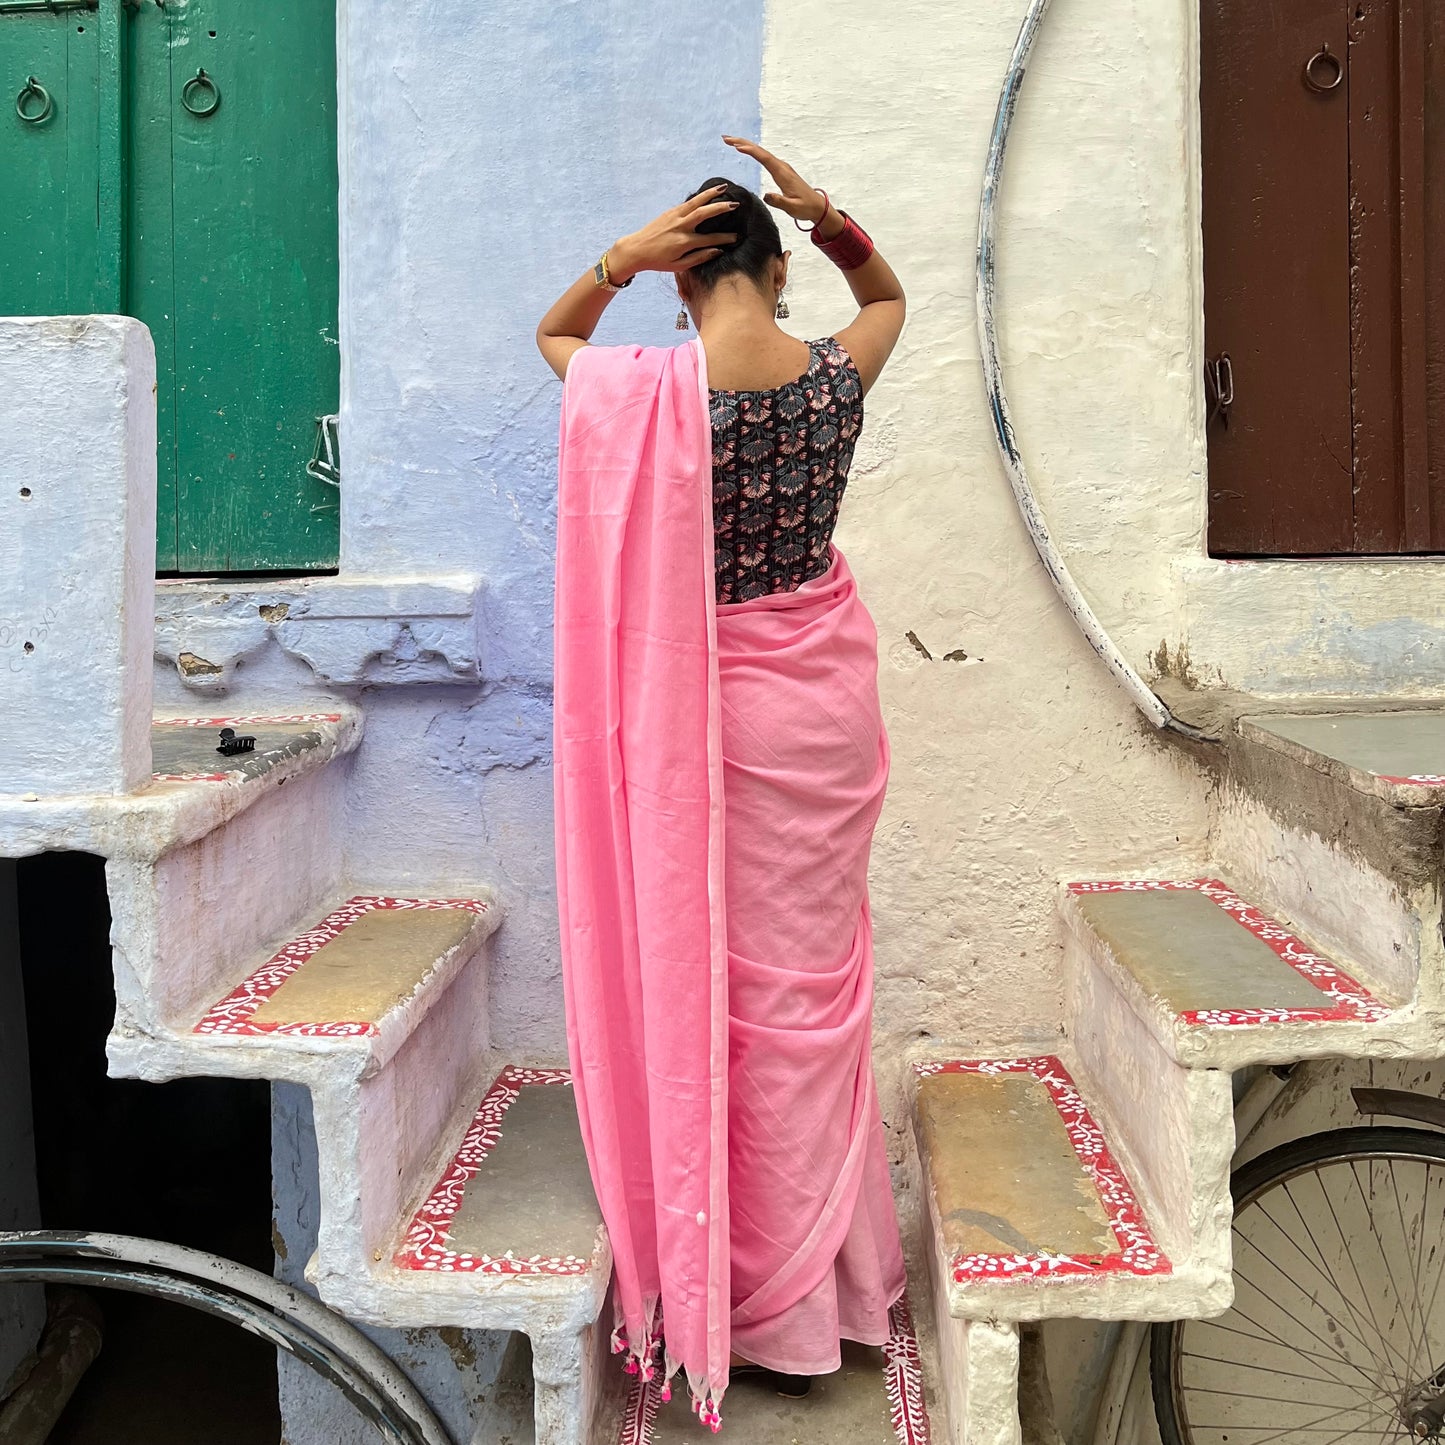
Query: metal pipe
(73, 1337)
(1148, 702)
(286, 1317)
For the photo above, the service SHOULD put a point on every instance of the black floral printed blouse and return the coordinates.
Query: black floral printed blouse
(780, 460)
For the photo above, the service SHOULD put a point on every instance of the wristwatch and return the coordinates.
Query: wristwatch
(603, 277)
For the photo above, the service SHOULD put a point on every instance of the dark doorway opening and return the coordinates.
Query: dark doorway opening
(188, 1162)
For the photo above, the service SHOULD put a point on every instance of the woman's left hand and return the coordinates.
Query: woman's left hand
(794, 196)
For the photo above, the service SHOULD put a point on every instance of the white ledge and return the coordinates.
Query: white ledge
(348, 630)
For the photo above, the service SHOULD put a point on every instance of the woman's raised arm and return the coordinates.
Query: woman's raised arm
(669, 243)
(871, 336)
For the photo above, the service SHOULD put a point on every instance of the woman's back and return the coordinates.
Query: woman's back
(781, 456)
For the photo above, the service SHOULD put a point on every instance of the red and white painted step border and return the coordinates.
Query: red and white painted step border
(1349, 1001)
(233, 1014)
(1138, 1254)
(902, 1380)
(242, 720)
(426, 1245)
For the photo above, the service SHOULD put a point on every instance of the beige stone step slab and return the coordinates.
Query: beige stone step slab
(193, 790)
(1397, 754)
(876, 1398)
(187, 749)
(505, 1234)
(516, 1199)
(1219, 982)
(363, 974)
(1033, 1207)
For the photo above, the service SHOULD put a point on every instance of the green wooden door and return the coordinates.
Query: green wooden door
(225, 247)
(60, 127)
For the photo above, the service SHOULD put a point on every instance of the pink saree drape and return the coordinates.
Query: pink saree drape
(718, 772)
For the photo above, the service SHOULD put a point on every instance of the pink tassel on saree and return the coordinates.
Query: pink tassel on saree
(718, 772)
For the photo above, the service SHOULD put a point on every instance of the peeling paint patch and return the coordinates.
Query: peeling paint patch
(913, 638)
(192, 666)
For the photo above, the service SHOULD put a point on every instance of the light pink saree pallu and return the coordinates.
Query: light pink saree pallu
(718, 772)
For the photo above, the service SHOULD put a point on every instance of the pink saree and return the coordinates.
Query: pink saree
(718, 772)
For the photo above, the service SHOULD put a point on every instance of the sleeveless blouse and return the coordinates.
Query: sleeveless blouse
(780, 460)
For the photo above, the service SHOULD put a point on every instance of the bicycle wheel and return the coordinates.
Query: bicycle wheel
(1337, 1331)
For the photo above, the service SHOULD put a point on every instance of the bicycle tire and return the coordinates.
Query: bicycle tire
(1247, 1184)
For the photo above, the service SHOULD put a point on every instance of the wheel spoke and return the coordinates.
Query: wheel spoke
(1400, 1366)
(1327, 1335)
(1322, 1267)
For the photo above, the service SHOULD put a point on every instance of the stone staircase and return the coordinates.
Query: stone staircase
(453, 1186)
(1093, 1181)
(1085, 1179)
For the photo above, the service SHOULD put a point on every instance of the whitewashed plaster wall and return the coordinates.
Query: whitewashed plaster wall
(1017, 762)
(1100, 284)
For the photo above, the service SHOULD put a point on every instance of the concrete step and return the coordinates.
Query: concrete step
(351, 984)
(216, 860)
(1219, 982)
(1397, 755)
(1044, 1203)
(194, 789)
(1328, 813)
(516, 1199)
(362, 976)
(502, 1232)
(186, 749)
(877, 1398)
(378, 1005)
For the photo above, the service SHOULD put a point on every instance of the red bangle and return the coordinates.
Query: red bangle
(826, 203)
(850, 248)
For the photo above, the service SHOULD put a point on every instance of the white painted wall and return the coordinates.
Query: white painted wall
(1023, 764)
(77, 552)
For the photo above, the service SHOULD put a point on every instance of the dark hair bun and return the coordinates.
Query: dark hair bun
(757, 241)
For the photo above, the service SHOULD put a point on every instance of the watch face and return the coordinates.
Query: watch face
(600, 274)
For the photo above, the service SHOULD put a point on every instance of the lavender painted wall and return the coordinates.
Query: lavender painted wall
(488, 154)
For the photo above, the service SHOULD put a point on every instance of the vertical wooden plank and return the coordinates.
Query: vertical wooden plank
(1433, 179)
(93, 166)
(1410, 97)
(1276, 262)
(256, 298)
(48, 237)
(149, 228)
(108, 25)
(1375, 257)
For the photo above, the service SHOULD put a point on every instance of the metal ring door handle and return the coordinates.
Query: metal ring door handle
(198, 82)
(1324, 70)
(33, 90)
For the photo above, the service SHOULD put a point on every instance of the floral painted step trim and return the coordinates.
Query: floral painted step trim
(1349, 1001)
(425, 1245)
(251, 719)
(1138, 1254)
(233, 1014)
(902, 1381)
(241, 720)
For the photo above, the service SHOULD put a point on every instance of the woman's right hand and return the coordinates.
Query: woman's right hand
(671, 242)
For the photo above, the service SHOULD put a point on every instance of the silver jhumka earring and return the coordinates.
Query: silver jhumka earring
(682, 318)
(781, 311)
